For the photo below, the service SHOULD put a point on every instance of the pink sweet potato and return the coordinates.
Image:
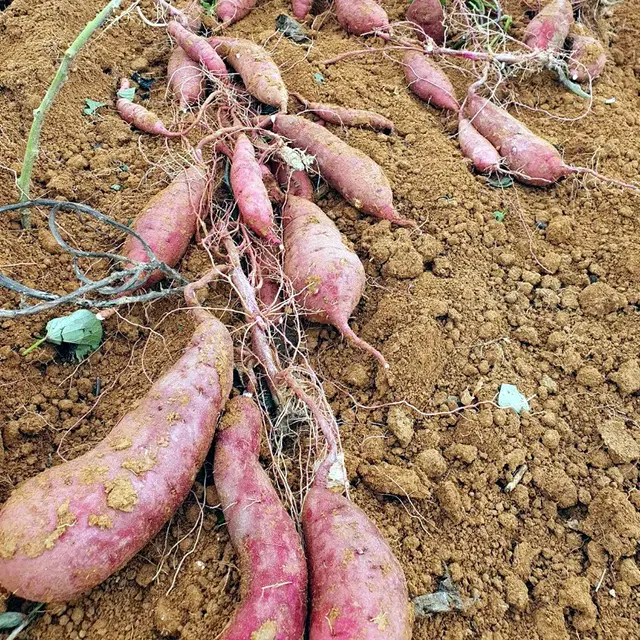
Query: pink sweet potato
(428, 15)
(343, 116)
(529, 157)
(483, 155)
(327, 277)
(258, 71)
(587, 57)
(548, 30)
(357, 587)
(272, 562)
(428, 81)
(69, 528)
(295, 182)
(355, 175)
(198, 49)
(185, 78)
(169, 221)
(301, 8)
(140, 117)
(251, 195)
(362, 16)
(230, 11)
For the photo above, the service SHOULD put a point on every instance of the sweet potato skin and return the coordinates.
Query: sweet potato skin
(197, 48)
(258, 71)
(429, 16)
(353, 174)
(230, 11)
(185, 78)
(483, 155)
(532, 159)
(250, 192)
(357, 588)
(428, 81)
(272, 562)
(361, 16)
(587, 58)
(169, 221)
(72, 526)
(548, 30)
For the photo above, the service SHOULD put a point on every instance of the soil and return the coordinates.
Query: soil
(547, 299)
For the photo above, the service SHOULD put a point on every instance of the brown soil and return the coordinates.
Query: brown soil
(547, 299)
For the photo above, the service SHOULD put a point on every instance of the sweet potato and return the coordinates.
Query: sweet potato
(258, 71)
(185, 78)
(169, 221)
(548, 30)
(230, 11)
(349, 171)
(295, 182)
(272, 562)
(327, 277)
(428, 15)
(587, 57)
(532, 159)
(140, 117)
(72, 526)
(483, 155)
(357, 587)
(301, 8)
(343, 116)
(251, 194)
(198, 49)
(362, 16)
(428, 81)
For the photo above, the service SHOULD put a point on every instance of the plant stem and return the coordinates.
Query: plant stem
(31, 152)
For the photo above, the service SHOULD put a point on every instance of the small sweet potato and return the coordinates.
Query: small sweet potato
(197, 48)
(272, 562)
(343, 116)
(587, 57)
(428, 81)
(357, 587)
(250, 192)
(70, 527)
(362, 17)
(230, 11)
(169, 221)
(301, 8)
(185, 78)
(548, 30)
(327, 277)
(258, 71)
(529, 157)
(483, 155)
(140, 117)
(353, 174)
(428, 15)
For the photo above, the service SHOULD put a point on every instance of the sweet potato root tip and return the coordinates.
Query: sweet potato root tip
(69, 528)
(274, 571)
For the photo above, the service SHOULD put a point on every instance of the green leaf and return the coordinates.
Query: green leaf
(127, 94)
(11, 620)
(499, 215)
(504, 182)
(92, 106)
(82, 328)
(318, 77)
(115, 187)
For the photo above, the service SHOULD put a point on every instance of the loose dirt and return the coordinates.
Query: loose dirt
(547, 299)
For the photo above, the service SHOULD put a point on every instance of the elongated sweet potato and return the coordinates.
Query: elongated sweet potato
(355, 175)
(169, 221)
(251, 194)
(197, 48)
(140, 117)
(230, 11)
(327, 277)
(428, 15)
(344, 116)
(428, 81)
(548, 30)
(587, 57)
(72, 526)
(357, 587)
(532, 159)
(274, 570)
(483, 155)
(301, 8)
(185, 78)
(362, 16)
(258, 71)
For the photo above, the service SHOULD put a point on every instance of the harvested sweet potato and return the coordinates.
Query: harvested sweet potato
(230, 11)
(301, 8)
(548, 30)
(349, 171)
(428, 81)
(362, 17)
(69, 528)
(483, 155)
(272, 562)
(294, 181)
(197, 48)
(428, 15)
(587, 57)
(185, 78)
